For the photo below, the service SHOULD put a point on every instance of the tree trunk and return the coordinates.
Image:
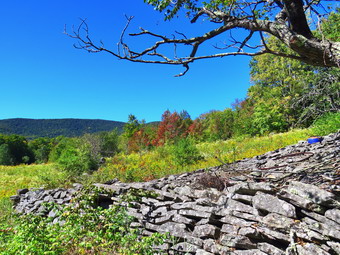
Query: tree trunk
(297, 18)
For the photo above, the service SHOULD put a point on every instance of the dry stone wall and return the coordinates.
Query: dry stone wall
(283, 202)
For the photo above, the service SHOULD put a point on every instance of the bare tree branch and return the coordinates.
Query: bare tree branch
(289, 26)
(129, 19)
(244, 43)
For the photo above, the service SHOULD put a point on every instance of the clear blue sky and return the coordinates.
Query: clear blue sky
(43, 76)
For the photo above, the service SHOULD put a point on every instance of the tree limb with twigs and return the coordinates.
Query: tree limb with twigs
(291, 21)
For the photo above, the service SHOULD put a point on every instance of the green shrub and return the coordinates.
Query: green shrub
(185, 152)
(14, 150)
(5, 155)
(328, 123)
(41, 148)
(77, 160)
(74, 156)
(109, 143)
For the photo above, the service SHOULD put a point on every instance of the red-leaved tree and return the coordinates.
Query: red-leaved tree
(172, 127)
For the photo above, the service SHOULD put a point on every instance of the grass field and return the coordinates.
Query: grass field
(146, 165)
(160, 162)
(28, 176)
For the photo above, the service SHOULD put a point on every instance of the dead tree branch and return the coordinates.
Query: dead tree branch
(286, 26)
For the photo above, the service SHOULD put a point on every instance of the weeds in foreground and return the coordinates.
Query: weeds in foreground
(82, 228)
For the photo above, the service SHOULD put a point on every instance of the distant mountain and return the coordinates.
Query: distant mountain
(33, 128)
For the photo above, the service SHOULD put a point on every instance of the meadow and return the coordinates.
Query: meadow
(160, 162)
(145, 165)
(13, 178)
(27, 176)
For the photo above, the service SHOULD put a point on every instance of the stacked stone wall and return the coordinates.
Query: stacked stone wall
(283, 202)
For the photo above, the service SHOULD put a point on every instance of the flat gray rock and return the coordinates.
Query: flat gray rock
(313, 193)
(310, 248)
(250, 252)
(237, 241)
(272, 204)
(185, 247)
(203, 252)
(333, 214)
(270, 249)
(278, 222)
(205, 231)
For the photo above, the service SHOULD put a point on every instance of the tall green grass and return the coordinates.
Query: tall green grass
(328, 123)
(161, 161)
(27, 176)
(13, 178)
(239, 148)
(146, 165)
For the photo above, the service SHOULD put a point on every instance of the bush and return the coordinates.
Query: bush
(14, 150)
(328, 123)
(77, 161)
(109, 143)
(185, 152)
(75, 157)
(41, 148)
(5, 155)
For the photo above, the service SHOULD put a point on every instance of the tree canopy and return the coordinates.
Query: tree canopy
(292, 22)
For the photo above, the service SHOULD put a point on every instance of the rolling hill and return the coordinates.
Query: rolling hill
(33, 128)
